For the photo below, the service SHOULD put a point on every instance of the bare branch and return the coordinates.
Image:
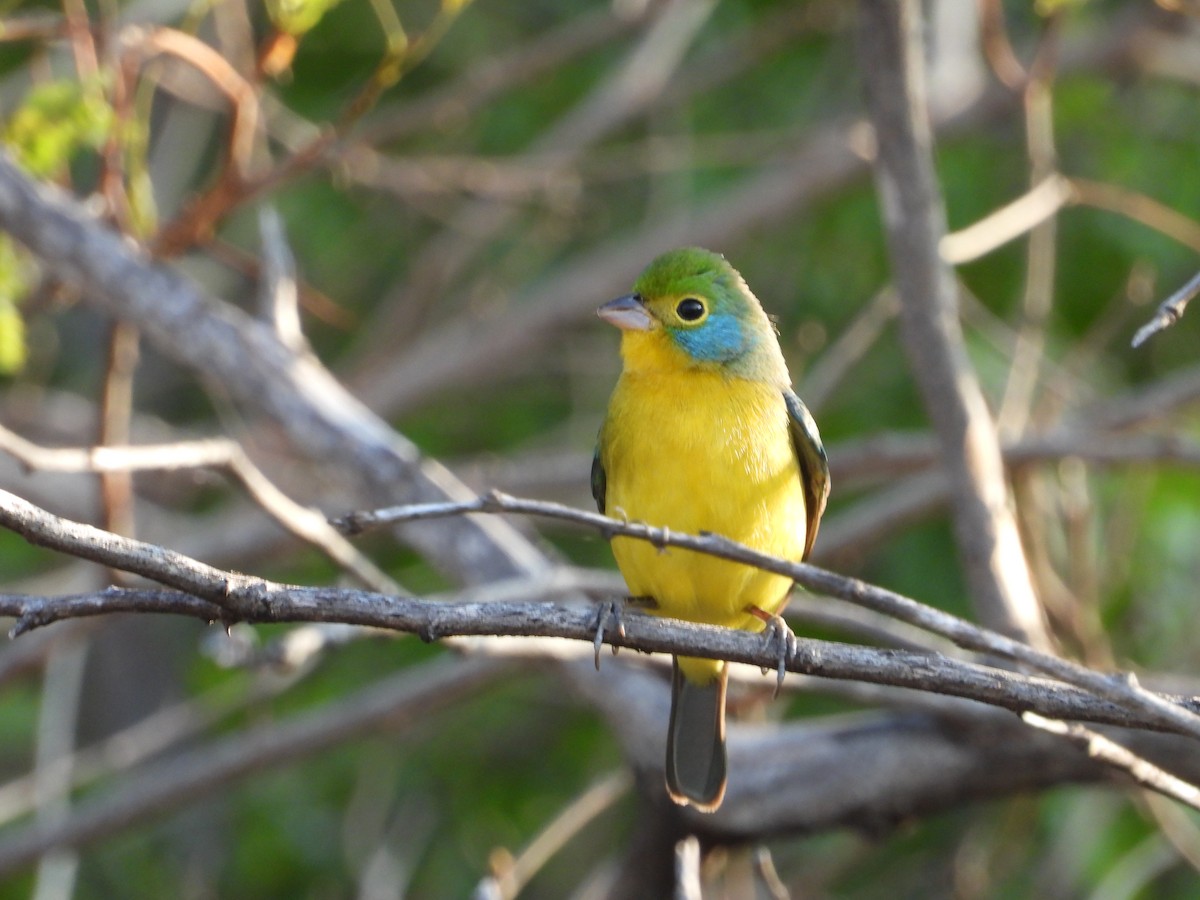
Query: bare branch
(211, 594)
(246, 358)
(1109, 751)
(915, 222)
(1118, 689)
(164, 786)
(304, 522)
(1007, 223)
(444, 618)
(1169, 311)
(169, 784)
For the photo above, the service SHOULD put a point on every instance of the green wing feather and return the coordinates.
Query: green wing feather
(814, 465)
(599, 480)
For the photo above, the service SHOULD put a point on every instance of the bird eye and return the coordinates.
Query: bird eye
(690, 309)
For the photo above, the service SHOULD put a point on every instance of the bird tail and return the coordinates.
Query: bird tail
(696, 740)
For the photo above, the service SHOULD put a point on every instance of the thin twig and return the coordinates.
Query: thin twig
(218, 453)
(1110, 752)
(1169, 311)
(1008, 222)
(116, 412)
(1138, 207)
(1117, 688)
(511, 874)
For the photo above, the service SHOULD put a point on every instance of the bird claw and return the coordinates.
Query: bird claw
(609, 611)
(779, 633)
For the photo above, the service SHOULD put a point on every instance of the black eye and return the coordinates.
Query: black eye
(690, 309)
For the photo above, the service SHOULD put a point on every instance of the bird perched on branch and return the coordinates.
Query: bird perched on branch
(704, 434)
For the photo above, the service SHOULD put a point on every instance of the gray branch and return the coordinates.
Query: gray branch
(915, 224)
(246, 358)
(533, 617)
(215, 595)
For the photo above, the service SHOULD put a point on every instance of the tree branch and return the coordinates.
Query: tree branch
(1118, 689)
(163, 787)
(246, 358)
(1169, 311)
(915, 223)
(532, 617)
(212, 594)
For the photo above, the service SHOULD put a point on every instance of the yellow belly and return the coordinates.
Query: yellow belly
(694, 452)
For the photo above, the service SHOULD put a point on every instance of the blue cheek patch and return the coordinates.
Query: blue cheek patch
(719, 339)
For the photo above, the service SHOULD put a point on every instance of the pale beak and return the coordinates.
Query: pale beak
(628, 313)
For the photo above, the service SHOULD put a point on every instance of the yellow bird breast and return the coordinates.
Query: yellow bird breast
(700, 451)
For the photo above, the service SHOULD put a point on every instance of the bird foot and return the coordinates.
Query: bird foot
(608, 612)
(778, 634)
(610, 618)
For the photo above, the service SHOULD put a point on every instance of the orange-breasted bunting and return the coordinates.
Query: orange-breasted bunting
(704, 434)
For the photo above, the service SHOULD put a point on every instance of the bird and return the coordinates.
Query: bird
(703, 433)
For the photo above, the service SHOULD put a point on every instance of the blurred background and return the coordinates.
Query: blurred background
(461, 184)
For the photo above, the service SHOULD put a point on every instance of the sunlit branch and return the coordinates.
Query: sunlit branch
(1117, 688)
(215, 595)
(215, 453)
(1108, 751)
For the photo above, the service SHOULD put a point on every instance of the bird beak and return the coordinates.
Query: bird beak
(628, 313)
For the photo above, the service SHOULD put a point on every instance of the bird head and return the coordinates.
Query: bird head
(690, 308)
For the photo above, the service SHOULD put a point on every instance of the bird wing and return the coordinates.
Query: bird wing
(814, 466)
(599, 479)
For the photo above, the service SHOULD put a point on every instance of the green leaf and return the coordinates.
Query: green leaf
(56, 121)
(14, 282)
(12, 338)
(295, 17)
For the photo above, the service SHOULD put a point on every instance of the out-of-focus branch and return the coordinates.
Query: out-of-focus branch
(471, 350)
(165, 786)
(303, 522)
(1169, 311)
(915, 223)
(630, 88)
(1108, 751)
(510, 874)
(1137, 206)
(248, 360)
(495, 74)
(870, 771)
(1008, 223)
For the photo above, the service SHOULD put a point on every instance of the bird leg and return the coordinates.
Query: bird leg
(610, 614)
(777, 632)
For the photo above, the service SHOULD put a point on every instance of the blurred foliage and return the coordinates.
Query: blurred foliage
(490, 772)
(13, 275)
(54, 122)
(295, 17)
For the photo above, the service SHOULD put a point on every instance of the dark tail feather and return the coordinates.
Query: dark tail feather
(696, 741)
